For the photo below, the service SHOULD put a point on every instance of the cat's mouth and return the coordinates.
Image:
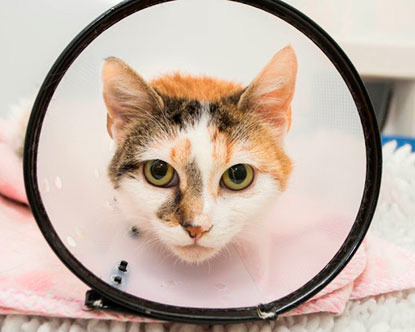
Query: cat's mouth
(194, 253)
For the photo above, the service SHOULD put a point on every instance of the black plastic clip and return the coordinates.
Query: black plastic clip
(123, 266)
(266, 313)
(95, 301)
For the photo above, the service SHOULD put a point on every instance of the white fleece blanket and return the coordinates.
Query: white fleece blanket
(394, 221)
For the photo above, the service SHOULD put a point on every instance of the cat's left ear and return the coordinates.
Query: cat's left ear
(271, 92)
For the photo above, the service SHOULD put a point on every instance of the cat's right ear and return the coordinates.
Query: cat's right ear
(127, 96)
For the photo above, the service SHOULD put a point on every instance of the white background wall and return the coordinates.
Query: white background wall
(369, 21)
(378, 35)
(32, 34)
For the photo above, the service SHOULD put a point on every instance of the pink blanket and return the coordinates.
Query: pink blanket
(34, 281)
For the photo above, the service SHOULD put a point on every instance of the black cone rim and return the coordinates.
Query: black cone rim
(174, 313)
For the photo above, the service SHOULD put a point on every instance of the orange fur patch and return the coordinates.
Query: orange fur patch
(194, 87)
(222, 147)
(180, 153)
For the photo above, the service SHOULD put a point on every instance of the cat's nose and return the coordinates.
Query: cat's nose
(196, 232)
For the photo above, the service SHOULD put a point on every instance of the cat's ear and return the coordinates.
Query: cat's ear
(271, 92)
(127, 96)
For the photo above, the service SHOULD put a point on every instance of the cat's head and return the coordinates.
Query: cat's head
(197, 159)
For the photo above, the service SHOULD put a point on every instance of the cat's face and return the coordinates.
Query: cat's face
(198, 159)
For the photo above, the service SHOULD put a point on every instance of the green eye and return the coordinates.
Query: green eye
(238, 177)
(158, 173)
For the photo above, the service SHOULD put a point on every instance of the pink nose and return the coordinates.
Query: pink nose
(196, 232)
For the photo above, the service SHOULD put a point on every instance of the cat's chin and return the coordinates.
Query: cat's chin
(194, 253)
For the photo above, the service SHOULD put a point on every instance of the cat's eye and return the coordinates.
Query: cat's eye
(238, 177)
(159, 173)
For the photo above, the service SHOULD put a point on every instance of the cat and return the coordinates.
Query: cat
(197, 158)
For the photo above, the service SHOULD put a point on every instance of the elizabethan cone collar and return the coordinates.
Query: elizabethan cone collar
(309, 232)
